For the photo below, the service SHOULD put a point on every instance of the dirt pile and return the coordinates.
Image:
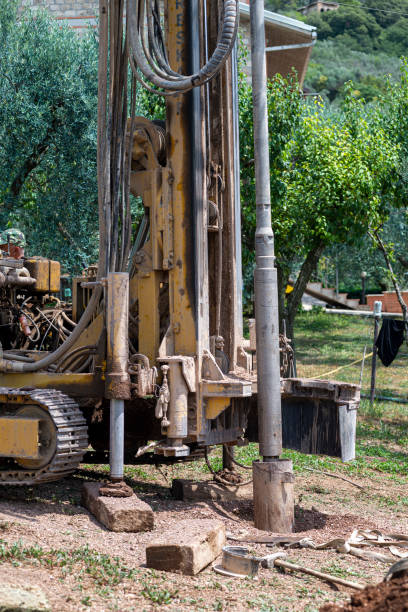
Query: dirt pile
(389, 596)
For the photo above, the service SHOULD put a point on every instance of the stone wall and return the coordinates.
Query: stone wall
(66, 8)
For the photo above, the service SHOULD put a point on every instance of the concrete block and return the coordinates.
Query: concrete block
(117, 513)
(191, 490)
(188, 547)
(17, 599)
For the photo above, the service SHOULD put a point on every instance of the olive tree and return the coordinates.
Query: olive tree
(48, 114)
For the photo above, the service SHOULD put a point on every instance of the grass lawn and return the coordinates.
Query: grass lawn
(326, 342)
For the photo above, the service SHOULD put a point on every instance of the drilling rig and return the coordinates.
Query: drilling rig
(151, 348)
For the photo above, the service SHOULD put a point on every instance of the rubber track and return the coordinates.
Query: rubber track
(72, 436)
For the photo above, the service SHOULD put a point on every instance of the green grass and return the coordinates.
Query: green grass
(158, 596)
(325, 342)
(102, 569)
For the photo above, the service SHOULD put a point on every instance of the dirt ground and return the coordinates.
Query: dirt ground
(48, 539)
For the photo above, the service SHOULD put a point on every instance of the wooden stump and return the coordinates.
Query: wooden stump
(274, 495)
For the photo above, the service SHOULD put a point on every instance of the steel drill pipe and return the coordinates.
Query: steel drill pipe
(265, 276)
(117, 387)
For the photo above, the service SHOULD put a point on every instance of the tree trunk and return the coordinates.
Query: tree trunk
(295, 297)
(31, 162)
(283, 277)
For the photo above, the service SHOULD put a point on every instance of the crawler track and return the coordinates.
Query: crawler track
(71, 435)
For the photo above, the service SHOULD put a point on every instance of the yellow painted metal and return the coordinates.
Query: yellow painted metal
(149, 317)
(181, 275)
(55, 276)
(76, 385)
(145, 285)
(19, 437)
(148, 184)
(46, 272)
(91, 334)
(226, 388)
(216, 405)
(117, 384)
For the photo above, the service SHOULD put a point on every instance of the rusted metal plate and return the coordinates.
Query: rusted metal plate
(318, 417)
(226, 388)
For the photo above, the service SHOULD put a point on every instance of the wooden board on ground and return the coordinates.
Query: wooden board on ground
(191, 490)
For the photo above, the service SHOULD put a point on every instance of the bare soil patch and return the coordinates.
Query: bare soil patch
(84, 566)
(389, 596)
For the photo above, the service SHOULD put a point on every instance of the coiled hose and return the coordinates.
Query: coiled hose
(150, 56)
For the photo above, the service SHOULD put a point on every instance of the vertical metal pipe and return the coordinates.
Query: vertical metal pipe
(377, 318)
(117, 385)
(237, 186)
(265, 277)
(198, 179)
(117, 437)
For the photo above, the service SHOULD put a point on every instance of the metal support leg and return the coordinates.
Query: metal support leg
(117, 436)
(117, 387)
(377, 319)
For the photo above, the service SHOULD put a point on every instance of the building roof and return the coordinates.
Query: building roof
(281, 21)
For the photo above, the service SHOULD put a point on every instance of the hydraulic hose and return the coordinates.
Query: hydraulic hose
(17, 366)
(148, 57)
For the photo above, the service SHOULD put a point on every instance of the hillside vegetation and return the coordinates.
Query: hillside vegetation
(361, 41)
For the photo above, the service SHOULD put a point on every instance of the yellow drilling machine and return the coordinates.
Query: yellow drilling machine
(149, 355)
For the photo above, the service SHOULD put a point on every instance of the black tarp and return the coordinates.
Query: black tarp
(389, 340)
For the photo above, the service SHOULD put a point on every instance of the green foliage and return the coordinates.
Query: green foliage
(332, 174)
(394, 38)
(285, 110)
(102, 569)
(48, 92)
(359, 44)
(353, 26)
(158, 596)
(332, 64)
(342, 168)
(390, 113)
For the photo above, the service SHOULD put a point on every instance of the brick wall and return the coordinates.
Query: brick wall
(389, 301)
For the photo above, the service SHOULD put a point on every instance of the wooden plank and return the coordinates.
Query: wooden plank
(188, 547)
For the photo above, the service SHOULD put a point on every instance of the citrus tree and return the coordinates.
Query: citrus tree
(333, 174)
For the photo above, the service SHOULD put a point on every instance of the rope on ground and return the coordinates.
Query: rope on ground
(345, 366)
